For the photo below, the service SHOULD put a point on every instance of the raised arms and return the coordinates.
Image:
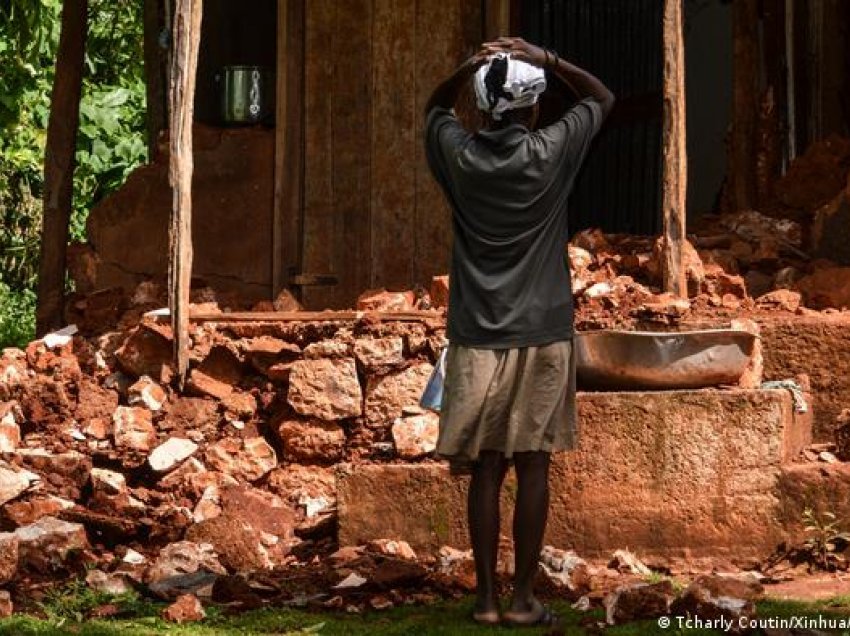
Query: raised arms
(579, 81)
(447, 92)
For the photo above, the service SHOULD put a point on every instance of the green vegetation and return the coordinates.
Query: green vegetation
(826, 541)
(111, 142)
(65, 613)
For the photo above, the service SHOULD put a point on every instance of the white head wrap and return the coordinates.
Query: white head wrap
(524, 82)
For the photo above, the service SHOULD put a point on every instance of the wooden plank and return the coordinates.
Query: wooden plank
(352, 130)
(497, 18)
(769, 137)
(350, 126)
(157, 111)
(745, 100)
(393, 147)
(319, 214)
(289, 144)
(317, 316)
(440, 46)
(184, 65)
(59, 164)
(791, 93)
(675, 168)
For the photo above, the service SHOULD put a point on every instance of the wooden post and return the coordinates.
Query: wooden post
(675, 170)
(497, 19)
(59, 164)
(184, 65)
(289, 141)
(745, 104)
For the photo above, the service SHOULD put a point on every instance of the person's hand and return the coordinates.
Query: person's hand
(479, 58)
(518, 49)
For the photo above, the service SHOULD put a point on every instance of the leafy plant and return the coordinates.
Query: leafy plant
(826, 540)
(111, 140)
(17, 316)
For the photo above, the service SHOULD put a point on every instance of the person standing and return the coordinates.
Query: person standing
(509, 396)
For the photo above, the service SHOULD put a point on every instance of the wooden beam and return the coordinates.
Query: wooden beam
(59, 164)
(745, 104)
(497, 19)
(289, 143)
(675, 169)
(184, 65)
(157, 110)
(419, 315)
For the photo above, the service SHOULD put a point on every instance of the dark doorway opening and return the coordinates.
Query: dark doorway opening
(619, 188)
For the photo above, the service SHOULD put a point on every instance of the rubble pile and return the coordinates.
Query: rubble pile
(105, 462)
(792, 256)
(109, 471)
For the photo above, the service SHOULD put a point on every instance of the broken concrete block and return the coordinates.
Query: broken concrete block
(392, 547)
(240, 405)
(10, 430)
(383, 300)
(66, 473)
(785, 299)
(147, 351)
(14, 482)
(184, 557)
(379, 353)
(261, 510)
(108, 482)
(566, 570)
(46, 544)
(247, 459)
(627, 562)
(170, 454)
(388, 395)
(112, 584)
(201, 384)
(25, 512)
(186, 609)
(638, 601)
(311, 441)
(239, 546)
(458, 567)
(9, 555)
(147, 393)
(326, 389)
(133, 428)
(715, 597)
(415, 433)
(328, 349)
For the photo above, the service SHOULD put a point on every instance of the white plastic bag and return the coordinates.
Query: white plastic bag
(432, 396)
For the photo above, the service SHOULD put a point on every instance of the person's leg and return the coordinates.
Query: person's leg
(530, 515)
(488, 472)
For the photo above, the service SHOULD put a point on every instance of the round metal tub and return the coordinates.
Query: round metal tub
(616, 359)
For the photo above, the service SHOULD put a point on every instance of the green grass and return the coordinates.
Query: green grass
(447, 618)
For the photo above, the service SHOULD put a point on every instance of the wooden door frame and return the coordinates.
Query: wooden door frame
(288, 208)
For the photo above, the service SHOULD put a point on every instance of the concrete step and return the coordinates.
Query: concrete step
(671, 474)
(818, 346)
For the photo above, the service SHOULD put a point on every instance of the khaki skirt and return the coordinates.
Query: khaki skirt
(507, 400)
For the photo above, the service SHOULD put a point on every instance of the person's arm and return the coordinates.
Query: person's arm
(446, 94)
(583, 84)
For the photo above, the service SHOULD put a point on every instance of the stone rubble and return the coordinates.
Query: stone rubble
(106, 463)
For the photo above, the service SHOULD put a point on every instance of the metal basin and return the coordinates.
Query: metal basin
(671, 360)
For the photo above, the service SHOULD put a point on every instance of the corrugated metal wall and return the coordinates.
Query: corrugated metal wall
(620, 42)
